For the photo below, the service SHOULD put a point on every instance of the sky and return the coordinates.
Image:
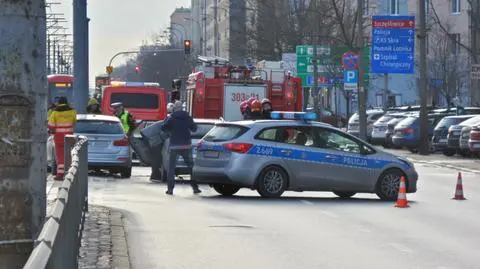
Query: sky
(119, 25)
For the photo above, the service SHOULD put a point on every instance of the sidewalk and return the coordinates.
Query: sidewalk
(104, 244)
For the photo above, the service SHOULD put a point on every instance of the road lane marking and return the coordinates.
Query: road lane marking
(401, 248)
(306, 202)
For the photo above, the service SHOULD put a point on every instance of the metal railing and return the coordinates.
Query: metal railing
(59, 242)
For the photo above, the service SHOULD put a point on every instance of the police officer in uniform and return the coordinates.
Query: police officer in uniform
(125, 117)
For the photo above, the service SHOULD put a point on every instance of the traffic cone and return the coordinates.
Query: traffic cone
(459, 189)
(402, 194)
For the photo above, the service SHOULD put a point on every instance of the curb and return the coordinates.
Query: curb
(444, 165)
(120, 255)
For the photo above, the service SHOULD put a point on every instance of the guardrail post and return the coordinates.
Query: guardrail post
(69, 144)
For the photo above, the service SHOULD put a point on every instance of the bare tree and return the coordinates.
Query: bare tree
(447, 66)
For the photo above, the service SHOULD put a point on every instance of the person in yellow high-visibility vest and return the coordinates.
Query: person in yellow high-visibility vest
(125, 117)
(61, 122)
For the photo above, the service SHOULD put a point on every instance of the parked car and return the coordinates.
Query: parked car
(407, 132)
(380, 126)
(440, 133)
(372, 116)
(455, 133)
(474, 141)
(108, 146)
(331, 118)
(391, 130)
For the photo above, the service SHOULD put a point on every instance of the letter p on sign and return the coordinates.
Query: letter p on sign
(350, 76)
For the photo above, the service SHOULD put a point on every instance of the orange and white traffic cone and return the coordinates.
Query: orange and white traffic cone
(402, 195)
(459, 188)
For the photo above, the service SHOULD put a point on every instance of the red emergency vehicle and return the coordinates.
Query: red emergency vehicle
(218, 92)
(146, 101)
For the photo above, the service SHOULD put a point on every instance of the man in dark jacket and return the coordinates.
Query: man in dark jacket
(180, 125)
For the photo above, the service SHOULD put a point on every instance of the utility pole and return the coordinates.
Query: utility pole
(362, 96)
(23, 114)
(215, 27)
(80, 55)
(422, 36)
(474, 45)
(385, 93)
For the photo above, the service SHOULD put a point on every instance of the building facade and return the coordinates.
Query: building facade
(197, 24)
(180, 26)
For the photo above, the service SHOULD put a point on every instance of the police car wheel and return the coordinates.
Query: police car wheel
(388, 184)
(344, 194)
(226, 189)
(272, 182)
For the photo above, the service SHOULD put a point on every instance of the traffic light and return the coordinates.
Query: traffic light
(186, 45)
(109, 69)
(176, 84)
(137, 69)
(175, 96)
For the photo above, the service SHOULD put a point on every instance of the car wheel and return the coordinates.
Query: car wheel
(448, 152)
(226, 189)
(388, 184)
(272, 182)
(126, 172)
(464, 153)
(344, 194)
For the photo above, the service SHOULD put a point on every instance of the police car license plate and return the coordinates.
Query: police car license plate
(211, 154)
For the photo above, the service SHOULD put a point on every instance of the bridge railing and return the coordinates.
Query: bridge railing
(58, 245)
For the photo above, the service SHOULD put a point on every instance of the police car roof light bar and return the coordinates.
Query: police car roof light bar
(286, 115)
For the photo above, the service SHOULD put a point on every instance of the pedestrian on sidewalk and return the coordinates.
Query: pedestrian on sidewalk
(180, 125)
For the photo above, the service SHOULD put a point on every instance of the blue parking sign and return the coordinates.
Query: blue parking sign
(350, 76)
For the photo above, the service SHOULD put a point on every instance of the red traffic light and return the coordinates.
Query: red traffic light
(187, 43)
(137, 68)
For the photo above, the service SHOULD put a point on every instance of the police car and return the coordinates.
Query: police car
(294, 152)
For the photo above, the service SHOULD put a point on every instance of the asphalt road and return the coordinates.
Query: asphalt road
(300, 230)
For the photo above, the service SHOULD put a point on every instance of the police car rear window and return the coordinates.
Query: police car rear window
(202, 130)
(225, 132)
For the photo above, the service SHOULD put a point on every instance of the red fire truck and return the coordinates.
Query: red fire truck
(218, 90)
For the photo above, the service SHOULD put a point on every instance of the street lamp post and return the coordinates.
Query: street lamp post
(201, 39)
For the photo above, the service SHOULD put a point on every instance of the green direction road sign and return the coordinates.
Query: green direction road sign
(308, 50)
(328, 59)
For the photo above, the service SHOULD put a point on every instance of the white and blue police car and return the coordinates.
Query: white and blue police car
(293, 152)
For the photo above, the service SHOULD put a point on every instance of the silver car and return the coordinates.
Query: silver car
(373, 115)
(272, 156)
(108, 146)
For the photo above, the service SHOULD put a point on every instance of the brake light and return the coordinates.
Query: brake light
(121, 143)
(238, 147)
(408, 131)
(475, 135)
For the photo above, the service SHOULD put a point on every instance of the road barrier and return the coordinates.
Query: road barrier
(57, 246)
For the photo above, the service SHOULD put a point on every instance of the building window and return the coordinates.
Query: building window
(455, 6)
(455, 43)
(394, 7)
